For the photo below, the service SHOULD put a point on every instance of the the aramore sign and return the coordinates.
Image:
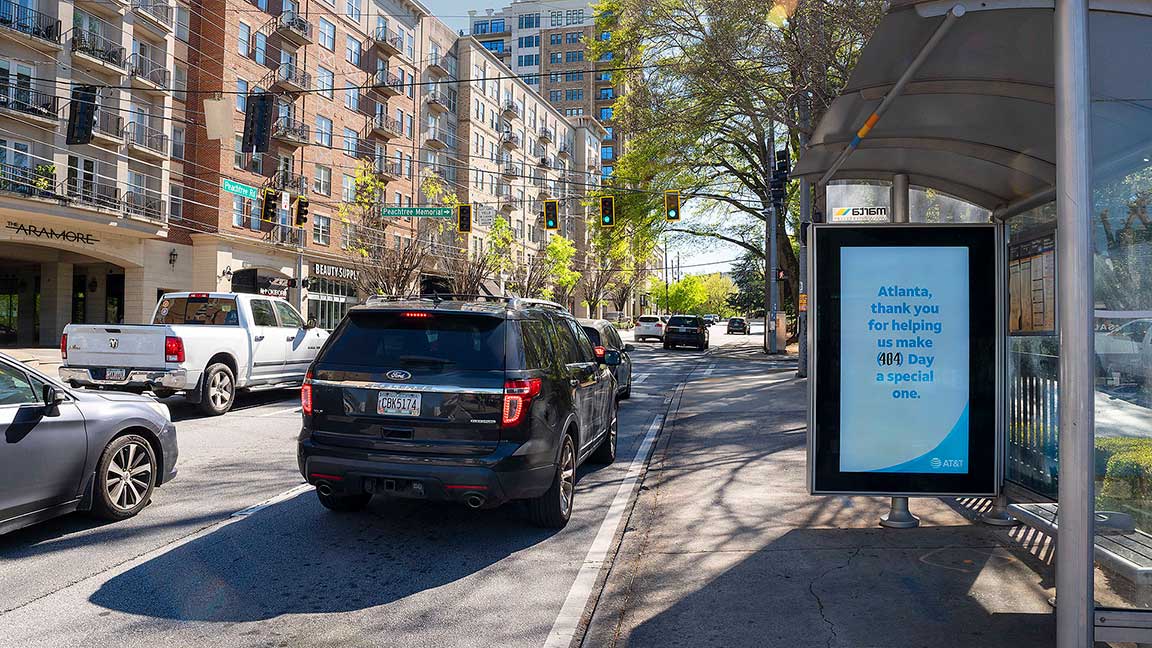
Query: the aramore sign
(50, 233)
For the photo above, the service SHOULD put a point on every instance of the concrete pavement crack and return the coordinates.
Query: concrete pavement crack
(820, 603)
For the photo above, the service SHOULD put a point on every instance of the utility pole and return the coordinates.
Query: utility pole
(770, 255)
(678, 276)
(667, 261)
(804, 114)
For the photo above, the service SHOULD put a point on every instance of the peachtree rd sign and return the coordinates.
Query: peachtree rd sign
(416, 212)
(243, 190)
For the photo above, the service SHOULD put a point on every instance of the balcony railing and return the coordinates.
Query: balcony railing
(438, 137)
(546, 134)
(441, 64)
(511, 169)
(386, 82)
(144, 136)
(286, 235)
(285, 180)
(294, 26)
(292, 74)
(144, 203)
(29, 101)
(158, 11)
(511, 109)
(292, 130)
(148, 70)
(26, 20)
(99, 47)
(108, 123)
(441, 101)
(565, 150)
(387, 167)
(388, 40)
(389, 126)
(26, 181)
(511, 140)
(93, 192)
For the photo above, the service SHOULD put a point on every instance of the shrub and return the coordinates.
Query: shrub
(1125, 463)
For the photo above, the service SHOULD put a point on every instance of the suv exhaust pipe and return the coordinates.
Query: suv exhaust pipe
(474, 500)
(324, 488)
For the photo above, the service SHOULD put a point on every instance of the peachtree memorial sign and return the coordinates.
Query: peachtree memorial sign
(416, 212)
(904, 395)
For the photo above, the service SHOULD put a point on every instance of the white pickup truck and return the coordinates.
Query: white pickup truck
(207, 345)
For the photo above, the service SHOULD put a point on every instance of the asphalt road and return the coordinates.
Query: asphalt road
(206, 565)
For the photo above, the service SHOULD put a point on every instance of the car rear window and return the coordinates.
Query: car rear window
(684, 321)
(209, 311)
(649, 320)
(418, 339)
(593, 334)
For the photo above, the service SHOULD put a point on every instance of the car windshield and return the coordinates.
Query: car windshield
(681, 320)
(420, 338)
(204, 310)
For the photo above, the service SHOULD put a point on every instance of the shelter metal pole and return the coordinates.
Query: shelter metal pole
(804, 116)
(1074, 558)
(900, 198)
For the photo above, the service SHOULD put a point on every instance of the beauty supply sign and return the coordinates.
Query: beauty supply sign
(904, 399)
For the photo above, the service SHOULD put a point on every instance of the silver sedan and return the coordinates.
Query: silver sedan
(69, 449)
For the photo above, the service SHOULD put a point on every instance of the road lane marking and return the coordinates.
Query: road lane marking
(639, 378)
(568, 620)
(707, 373)
(287, 410)
(272, 501)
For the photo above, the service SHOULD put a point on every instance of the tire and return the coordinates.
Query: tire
(344, 503)
(553, 509)
(605, 453)
(627, 393)
(217, 390)
(125, 478)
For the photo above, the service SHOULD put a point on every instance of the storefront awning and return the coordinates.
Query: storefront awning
(977, 120)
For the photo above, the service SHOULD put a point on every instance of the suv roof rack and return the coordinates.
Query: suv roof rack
(437, 298)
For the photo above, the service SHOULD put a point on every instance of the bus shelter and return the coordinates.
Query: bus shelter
(1039, 113)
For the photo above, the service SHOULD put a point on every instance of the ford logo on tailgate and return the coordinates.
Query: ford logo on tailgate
(398, 374)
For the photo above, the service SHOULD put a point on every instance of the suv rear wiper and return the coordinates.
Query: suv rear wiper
(418, 359)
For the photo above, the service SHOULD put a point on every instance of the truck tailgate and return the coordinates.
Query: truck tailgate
(111, 345)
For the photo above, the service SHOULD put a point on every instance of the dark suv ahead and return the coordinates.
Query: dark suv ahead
(689, 330)
(463, 399)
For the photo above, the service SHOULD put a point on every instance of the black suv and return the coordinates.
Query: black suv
(686, 330)
(479, 401)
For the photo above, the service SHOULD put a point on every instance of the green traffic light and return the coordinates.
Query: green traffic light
(671, 213)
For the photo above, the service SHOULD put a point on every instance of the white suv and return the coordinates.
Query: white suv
(648, 326)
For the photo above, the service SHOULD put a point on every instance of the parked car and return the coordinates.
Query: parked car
(648, 327)
(737, 325)
(1126, 351)
(686, 330)
(477, 401)
(66, 450)
(206, 345)
(604, 336)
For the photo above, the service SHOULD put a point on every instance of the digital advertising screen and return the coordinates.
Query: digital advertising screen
(905, 333)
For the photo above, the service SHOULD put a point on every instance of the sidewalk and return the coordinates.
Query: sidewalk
(725, 547)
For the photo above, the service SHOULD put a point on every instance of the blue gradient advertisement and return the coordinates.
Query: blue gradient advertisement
(904, 365)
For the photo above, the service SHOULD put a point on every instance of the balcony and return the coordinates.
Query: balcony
(510, 140)
(545, 162)
(28, 104)
(565, 151)
(506, 203)
(286, 180)
(157, 15)
(546, 135)
(26, 181)
(291, 77)
(291, 131)
(386, 83)
(146, 141)
(387, 169)
(389, 42)
(438, 138)
(149, 75)
(438, 65)
(510, 170)
(286, 235)
(510, 110)
(439, 102)
(386, 127)
(293, 27)
(40, 30)
(144, 203)
(92, 193)
(104, 51)
(109, 129)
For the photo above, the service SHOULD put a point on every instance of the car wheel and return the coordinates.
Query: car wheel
(217, 390)
(553, 509)
(627, 393)
(605, 453)
(344, 503)
(125, 476)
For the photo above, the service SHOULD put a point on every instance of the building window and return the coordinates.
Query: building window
(606, 172)
(243, 39)
(321, 230)
(606, 56)
(557, 18)
(607, 93)
(238, 210)
(178, 142)
(325, 79)
(351, 138)
(607, 153)
(183, 19)
(322, 180)
(352, 51)
(574, 57)
(528, 60)
(570, 77)
(353, 9)
(528, 41)
(261, 48)
(327, 35)
(323, 131)
(498, 26)
(494, 46)
(604, 76)
(575, 17)
(609, 134)
(528, 21)
(574, 94)
(572, 38)
(605, 114)
(180, 83)
(347, 188)
(555, 39)
(241, 95)
(352, 98)
(555, 57)
(480, 27)
(176, 202)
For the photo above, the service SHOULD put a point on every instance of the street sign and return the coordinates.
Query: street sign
(485, 215)
(416, 212)
(240, 189)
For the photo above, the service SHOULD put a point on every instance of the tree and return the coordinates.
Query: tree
(606, 253)
(467, 272)
(560, 253)
(748, 277)
(685, 296)
(717, 289)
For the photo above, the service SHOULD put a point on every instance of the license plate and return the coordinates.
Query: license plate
(115, 374)
(398, 403)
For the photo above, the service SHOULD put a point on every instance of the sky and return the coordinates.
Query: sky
(455, 12)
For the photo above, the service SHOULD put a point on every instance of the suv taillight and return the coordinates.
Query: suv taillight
(599, 350)
(518, 395)
(173, 349)
(64, 346)
(659, 325)
(306, 395)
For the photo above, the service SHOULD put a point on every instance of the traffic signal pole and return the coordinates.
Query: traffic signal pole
(770, 256)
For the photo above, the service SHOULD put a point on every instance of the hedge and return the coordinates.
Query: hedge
(1125, 463)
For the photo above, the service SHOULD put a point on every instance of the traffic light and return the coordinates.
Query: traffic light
(300, 211)
(779, 180)
(268, 207)
(81, 115)
(258, 111)
(608, 211)
(551, 214)
(672, 205)
(464, 218)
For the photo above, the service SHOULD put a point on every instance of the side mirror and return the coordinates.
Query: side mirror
(612, 357)
(311, 323)
(629, 348)
(51, 396)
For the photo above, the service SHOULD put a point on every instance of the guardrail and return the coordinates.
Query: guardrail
(99, 47)
(26, 20)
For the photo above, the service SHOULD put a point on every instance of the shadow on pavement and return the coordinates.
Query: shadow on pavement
(298, 558)
(182, 410)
